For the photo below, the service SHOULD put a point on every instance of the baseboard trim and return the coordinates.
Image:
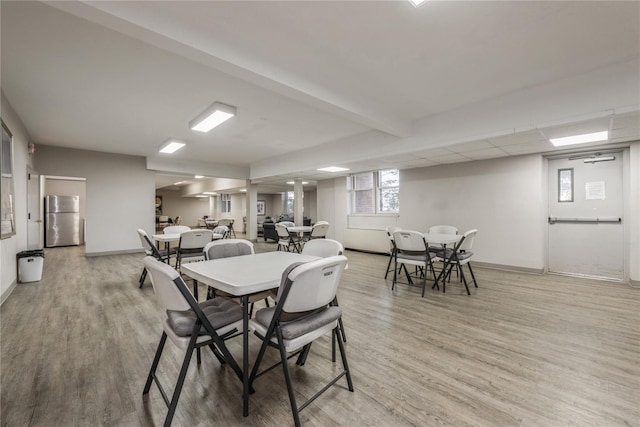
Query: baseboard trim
(8, 292)
(125, 252)
(634, 283)
(478, 264)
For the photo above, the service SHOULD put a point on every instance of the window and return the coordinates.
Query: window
(225, 203)
(289, 207)
(565, 185)
(374, 192)
(389, 191)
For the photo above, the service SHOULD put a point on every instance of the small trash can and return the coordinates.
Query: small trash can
(30, 265)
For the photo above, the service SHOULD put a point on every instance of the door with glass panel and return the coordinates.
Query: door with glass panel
(585, 216)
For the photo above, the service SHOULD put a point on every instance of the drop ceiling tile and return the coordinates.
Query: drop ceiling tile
(470, 146)
(626, 120)
(488, 153)
(451, 158)
(519, 138)
(627, 134)
(431, 153)
(533, 147)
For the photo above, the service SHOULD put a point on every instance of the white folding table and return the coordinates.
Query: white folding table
(241, 276)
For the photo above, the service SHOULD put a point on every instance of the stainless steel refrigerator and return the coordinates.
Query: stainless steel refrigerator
(62, 221)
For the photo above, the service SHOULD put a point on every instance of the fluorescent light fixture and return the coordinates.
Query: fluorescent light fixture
(200, 196)
(580, 139)
(417, 3)
(599, 159)
(209, 193)
(216, 114)
(198, 176)
(291, 182)
(243, 190)
(178, 183)
(333, 169)
(171, 145)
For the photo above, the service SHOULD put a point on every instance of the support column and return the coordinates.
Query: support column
(298, 203)
(252, 211)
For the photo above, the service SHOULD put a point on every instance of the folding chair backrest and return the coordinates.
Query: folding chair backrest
(323, 248)
(194, 239)
(467, 240)
(224, 221)
(167, 293)
(287, 223)
(409, 241)
(282, 231)
(443, 229)
(221, 229)
(176, 229)
(319, 230)
(228, 248)
(311, 285)
(145, 242)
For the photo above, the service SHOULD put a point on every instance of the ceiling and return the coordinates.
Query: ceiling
(360, 84)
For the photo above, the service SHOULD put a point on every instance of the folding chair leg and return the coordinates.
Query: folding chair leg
(180, 383)
(464, 279)
(287, 377)
(154, 365)
(345, 365)
(388, 266)
(302, 358)
(472, 275)
(143, 276)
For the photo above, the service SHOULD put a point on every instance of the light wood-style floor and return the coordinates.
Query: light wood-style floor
(522, 350)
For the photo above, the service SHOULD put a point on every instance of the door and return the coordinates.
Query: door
(34, 211)
(585, 217)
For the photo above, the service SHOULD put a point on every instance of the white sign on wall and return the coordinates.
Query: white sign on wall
(594, 190)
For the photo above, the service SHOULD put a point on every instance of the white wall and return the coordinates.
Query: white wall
(632, 220)
(311, 205)
(503, 198)
(21, 159)
(120, 194)
(188, 208)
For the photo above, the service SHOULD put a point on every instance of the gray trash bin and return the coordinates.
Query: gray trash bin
(30, 265)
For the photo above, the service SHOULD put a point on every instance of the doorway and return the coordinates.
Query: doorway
(34, 211)
(585, 216)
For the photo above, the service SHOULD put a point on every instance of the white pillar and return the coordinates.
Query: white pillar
(252, 211)
(298, 204)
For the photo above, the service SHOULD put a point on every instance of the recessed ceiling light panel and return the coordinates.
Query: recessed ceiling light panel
(291, 182)
(213, 116)
(171, 145)
(417, 3)
(580, 139)
(333, 169)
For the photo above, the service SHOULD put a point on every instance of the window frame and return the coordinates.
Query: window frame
(376, 192)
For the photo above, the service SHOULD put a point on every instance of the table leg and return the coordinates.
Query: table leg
(245, 355)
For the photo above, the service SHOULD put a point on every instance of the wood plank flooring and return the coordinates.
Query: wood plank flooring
(522, 350)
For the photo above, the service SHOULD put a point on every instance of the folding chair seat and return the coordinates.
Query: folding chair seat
(189, 326)
(411, 249)
(303, 314)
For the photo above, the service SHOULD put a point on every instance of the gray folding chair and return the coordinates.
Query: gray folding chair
(189, 325)
(150, 249)
(303, 314)
(225, 248)
(411, 249)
